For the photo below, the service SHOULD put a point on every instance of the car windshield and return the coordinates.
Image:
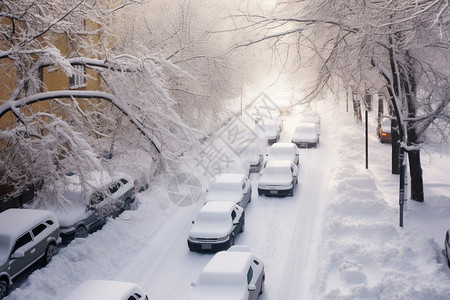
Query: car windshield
(214, 216)
(305, 129)
(281, 151)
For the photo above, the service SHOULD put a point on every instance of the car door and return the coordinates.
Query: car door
(22, 254)
(247, 191)
(39, 238)
(237, 216)
(255, 276)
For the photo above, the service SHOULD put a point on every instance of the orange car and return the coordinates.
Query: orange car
(384, 130)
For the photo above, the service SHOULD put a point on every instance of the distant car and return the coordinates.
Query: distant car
(107, 195)
(254, 155)
(283, 151)
(233, 187)
(306, 135)
(234, 274)
(216, 226)
(107, 290)
(270, 129)
(26, 236)
(278, 178)
(311, 117)
(384, 130)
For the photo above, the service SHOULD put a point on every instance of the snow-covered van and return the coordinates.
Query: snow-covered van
(26, 236)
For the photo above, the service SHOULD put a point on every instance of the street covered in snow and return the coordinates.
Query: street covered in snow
(336, 238)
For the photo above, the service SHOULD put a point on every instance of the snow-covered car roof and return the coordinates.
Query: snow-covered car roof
(305, 131)
(277, 166)
(280, 151)
(226, 187)
(310, 117)
(105, 290)
(216, 211)
(15, 221)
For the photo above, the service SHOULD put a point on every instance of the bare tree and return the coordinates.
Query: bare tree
(406, 42)
(52, 131)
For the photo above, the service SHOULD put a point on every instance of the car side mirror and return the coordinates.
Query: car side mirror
(251, 287)
(193, 221)
(18, 254)
(193, 283)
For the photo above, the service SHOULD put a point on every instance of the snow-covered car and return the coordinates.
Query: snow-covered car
(282, 151)
(310, 117)
(278, 178)
(105, 195)
(270, 129)
(216, 226)
(107, 290)
(384, 130)
(232, 187)
(253, 155)
(305, 135)
(26, 236)
(234, 274)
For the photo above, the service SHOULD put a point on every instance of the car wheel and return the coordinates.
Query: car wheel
(291, 192)
(261, 290)
(232, 240)
(3, 289)
(81, 232)
(127, 204)
(49, 253)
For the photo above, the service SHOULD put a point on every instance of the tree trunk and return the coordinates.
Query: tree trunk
(395, 141)
(415, 171)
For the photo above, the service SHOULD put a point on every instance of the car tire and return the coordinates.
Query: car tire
(3, 288)
(232, 240)
(49, 253)
(81, 232)
(127, 204)
(261, 289)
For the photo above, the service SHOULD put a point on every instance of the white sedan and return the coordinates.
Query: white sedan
(217, 224)
(306, 135)
(232, 187)
(278, 179)
(234, 274)
(283, 151)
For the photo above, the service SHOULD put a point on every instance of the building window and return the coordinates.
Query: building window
(78, 79)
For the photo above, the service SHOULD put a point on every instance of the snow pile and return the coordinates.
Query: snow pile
(364, 254)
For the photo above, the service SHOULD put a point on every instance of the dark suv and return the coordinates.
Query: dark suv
(26, 236)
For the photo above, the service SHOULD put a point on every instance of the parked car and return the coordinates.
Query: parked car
(106, 195)
(306, 135)
(107, 290)
(283, 151)
(278, 178)
(270, 129)
(234, 274)
(26, 236)
(311, 117)
(216, 226)
(384, 130)
(233, 187)
(254, 155)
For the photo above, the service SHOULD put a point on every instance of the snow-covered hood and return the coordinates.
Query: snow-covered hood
(210, 229)
(278, 179)
(71, 215)
(219, 292)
